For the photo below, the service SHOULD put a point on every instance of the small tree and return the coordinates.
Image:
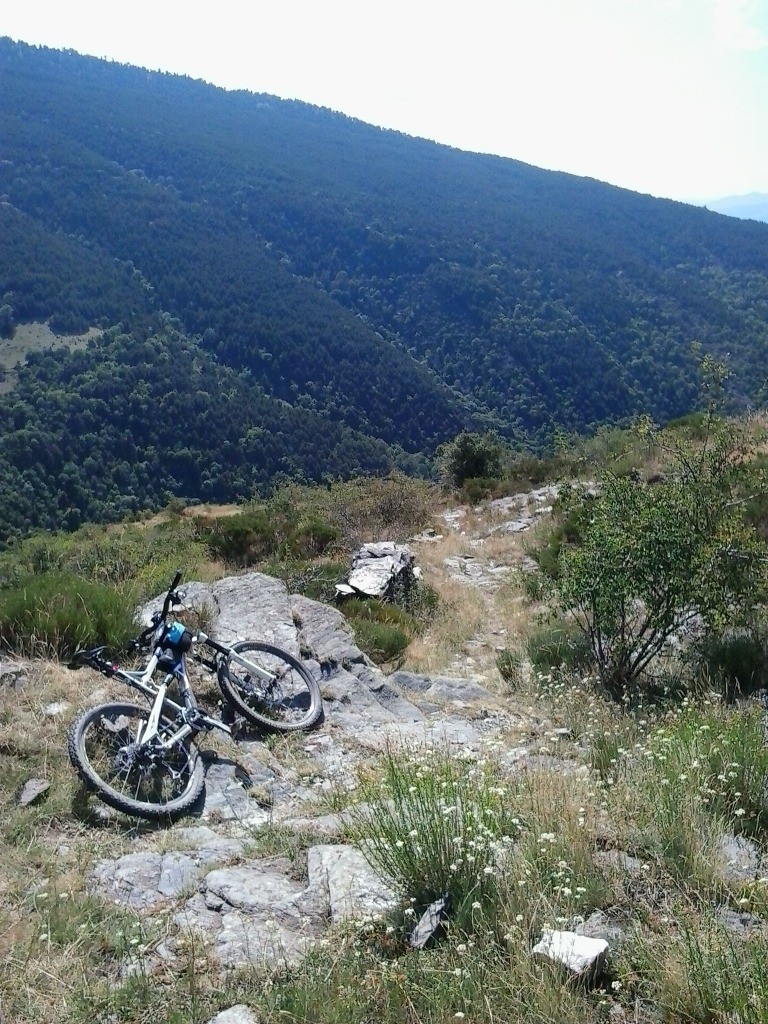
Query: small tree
(471, 456)
(654, 558)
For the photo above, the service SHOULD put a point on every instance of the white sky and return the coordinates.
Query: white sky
(662, 96)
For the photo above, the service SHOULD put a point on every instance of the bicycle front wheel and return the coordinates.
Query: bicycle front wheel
(288, 699)
(143, 779)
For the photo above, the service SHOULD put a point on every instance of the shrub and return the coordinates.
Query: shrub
(437, 826)
(735, 662)
(651, 560)
(313, 579)
(362, 509)
(310, 538)
(382, 630)
(471, 456)
(384, 644)
(558, 645)
(510, 666)
(476, 488)
(57, 612)
(242, 539)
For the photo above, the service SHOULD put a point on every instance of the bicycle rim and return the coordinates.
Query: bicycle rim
(291, 700)
(137, 778)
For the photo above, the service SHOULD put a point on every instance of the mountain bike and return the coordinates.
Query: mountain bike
(144, 760)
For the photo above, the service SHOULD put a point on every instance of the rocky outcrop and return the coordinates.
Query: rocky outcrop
(378, 569)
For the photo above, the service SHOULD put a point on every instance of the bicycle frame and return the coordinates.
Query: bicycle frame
(194, 719)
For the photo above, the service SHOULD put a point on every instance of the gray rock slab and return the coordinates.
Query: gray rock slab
(32, 790)
(329, 825)
(248, 607)
(600, 925)
(740, 924)
(515, 525)
(377, 567)
(503, 506)
(443, 733)
(618, 860)
(355, 890)
(325, 632)
(453, 517)
(739, 859)
(207, 842)
(442, 688)
(147, 879)
(13, 676)
(580, 955)
(255, 912)
(144, 880)
(228, 795)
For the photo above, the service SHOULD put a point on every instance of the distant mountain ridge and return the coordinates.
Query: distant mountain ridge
(753, 206)
(362, 293)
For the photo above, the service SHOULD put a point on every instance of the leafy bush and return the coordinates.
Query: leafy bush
(476, 488)
(471, 457)
(572, 515)
(384, 643)
(57, 612)
(363, 509)
(242, 539)
(652, 559)
(382, 630)
(310, 538)
(314, 579)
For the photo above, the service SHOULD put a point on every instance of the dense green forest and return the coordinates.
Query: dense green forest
(351, 297)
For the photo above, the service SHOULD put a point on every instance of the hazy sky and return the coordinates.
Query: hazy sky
(668, 97)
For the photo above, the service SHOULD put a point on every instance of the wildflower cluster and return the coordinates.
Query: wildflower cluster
(443, 828)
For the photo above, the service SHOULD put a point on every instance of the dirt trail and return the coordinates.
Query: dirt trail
(477, 559)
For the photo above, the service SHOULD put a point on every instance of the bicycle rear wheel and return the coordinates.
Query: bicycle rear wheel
(288, 700)
(143, 779)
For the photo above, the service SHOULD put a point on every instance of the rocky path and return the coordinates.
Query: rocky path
(206, 876)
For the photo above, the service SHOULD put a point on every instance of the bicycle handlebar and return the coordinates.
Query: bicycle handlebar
(93, 658)
(169, 596)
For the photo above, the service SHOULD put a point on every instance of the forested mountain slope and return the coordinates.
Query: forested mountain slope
(396, 289)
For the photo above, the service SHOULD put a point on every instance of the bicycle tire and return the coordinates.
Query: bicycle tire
(148, 785)
(291, 704)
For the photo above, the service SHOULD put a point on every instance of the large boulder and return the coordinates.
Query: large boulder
(377, 569)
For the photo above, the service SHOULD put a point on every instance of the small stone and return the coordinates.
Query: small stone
(32, 790)
(57, 708)
(580, 955)
(240, 1014)
(739, 859)
(601, 925)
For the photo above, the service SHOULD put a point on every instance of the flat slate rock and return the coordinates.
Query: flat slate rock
(148, 879)
(354, 889)
(32, 790)
(443, 688)
(580, 955)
